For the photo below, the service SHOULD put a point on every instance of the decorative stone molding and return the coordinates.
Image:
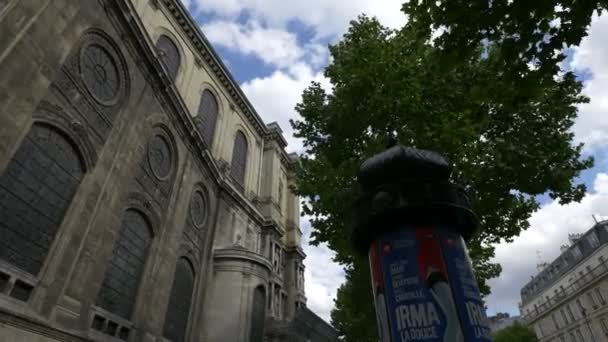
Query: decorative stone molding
(53, 115)
(210, 56)
(37, 327)
(149, 208)
(241, 254)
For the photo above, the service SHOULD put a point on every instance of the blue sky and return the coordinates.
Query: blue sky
(275, 48)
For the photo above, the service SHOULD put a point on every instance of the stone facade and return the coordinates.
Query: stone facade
(568, 299)
(142, 198)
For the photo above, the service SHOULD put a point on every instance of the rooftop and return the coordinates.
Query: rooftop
(578, 251)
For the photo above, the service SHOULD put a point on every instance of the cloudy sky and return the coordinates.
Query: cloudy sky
(275, 48)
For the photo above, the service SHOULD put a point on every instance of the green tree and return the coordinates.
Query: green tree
(509, 140)
(516, 332)
(526, 32)
(356, 312)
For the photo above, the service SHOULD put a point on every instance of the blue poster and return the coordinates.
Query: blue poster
(424, 289)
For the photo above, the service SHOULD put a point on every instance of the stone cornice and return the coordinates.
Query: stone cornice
(238, 197)
(297, 250)
(170, 92)
(274, 227)
(35, 327)
(240, 253)
(210, 56)
(275, 133)
(165, 86)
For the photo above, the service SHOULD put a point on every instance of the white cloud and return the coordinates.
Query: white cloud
(322, 276)
(549, 229)
(322, 279)
(266, 36)
(591, 127)
(601, 183)
(272, 46)
(327, 18)
(276, 96)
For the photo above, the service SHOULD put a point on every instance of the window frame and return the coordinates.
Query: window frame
(207, 122)
(239, 160)
(190, 267)
(173, 74)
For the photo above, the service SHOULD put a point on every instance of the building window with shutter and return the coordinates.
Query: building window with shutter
(238, 165)
(169, 55)
(564, 318)
(206, 118)
(176, 318)
(554, 321)
(591, 299)
(570, 314)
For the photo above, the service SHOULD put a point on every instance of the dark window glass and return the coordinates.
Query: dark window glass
(176, 319)
(207, 116)
(169, 55)
(119, 289)
(258, 315)
(159, 156)
(123, 334)
(239, 159)
(98, 323)
(198, 209)
(22, 291)
(4, 279)
(99, 72)
(36, 189)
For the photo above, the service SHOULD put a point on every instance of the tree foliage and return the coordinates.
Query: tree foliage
(507, 134)
(516, 332)
(526, 32)
(356, 313)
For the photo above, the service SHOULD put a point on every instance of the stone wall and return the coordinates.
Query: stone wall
(88, 74)
(114, 127)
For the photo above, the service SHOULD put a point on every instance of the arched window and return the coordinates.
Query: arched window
(239, 159)
(258, 315)
(176, 319)
(169, 55)
(36, 190)
(207, 116)
(119, 288)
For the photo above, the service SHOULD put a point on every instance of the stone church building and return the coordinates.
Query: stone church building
(142, 197)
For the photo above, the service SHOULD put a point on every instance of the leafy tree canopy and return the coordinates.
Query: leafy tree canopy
(506, 133)
(527, 32)
(516, 332)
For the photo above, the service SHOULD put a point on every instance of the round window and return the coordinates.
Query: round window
(159, 156)
(198, 209)
(99, 73)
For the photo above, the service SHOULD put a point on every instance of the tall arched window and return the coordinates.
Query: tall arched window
(258, 315)
(36, 190)
(169, 55)
(176, 319)
(239, 159)
(119, 288)
(207, 116)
